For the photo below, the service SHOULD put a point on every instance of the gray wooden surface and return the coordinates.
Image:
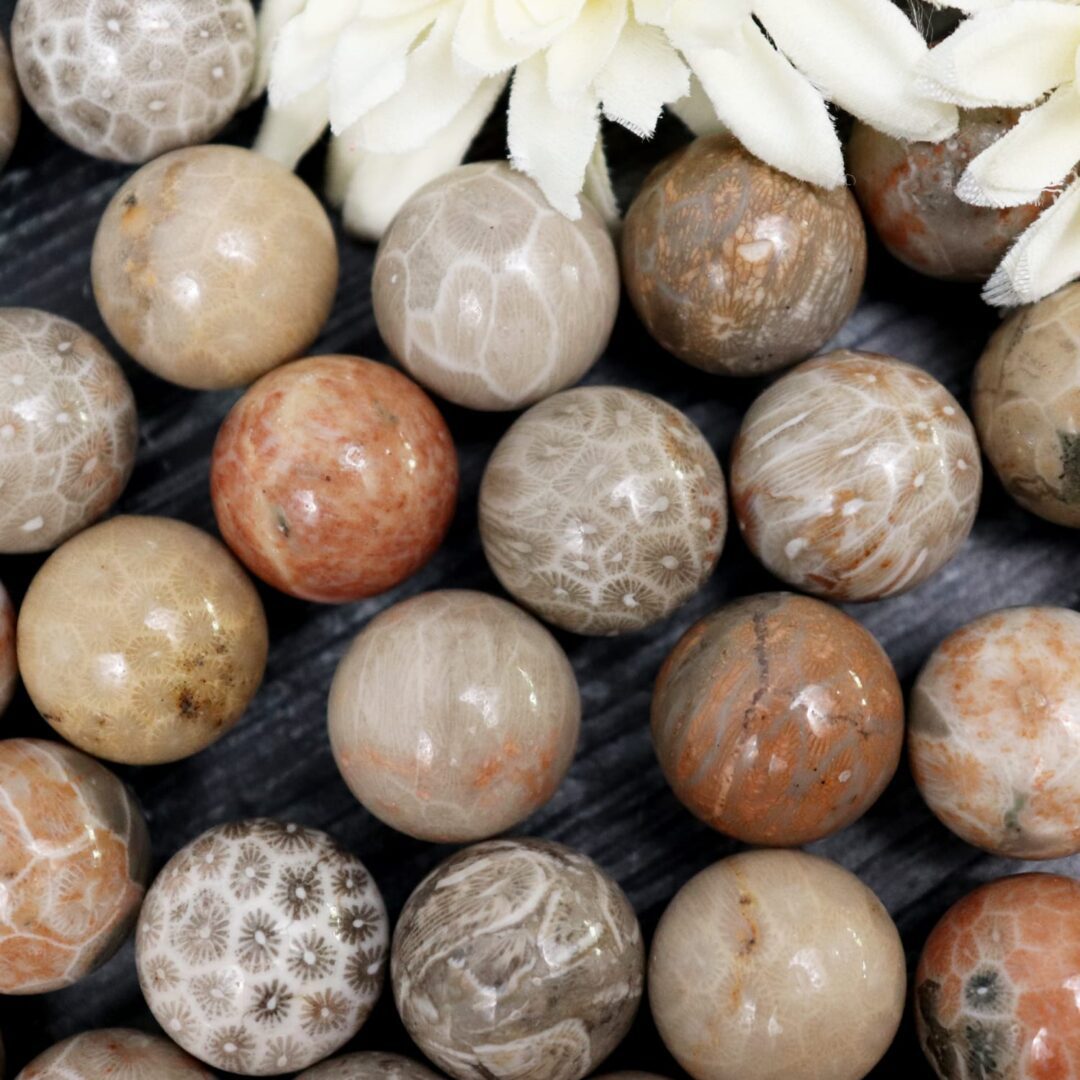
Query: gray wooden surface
(614, 805)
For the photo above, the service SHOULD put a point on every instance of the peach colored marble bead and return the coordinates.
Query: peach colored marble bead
(603, 510)
(778, 720)
(334, 478)
(142, 640)
(995, 732)
(213, 265)
(488, 296)
(68, 430)
(855, 477)
(996, 988)
(737, 268)
(128, 81)
(908, 190)
(453, 716)
(369, 1066)
(9, 664)
(1027, 406)
(74, 863)
(114, 1054)
(10, 104)
(776, 964)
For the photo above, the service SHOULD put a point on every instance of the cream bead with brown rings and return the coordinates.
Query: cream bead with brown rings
(10, 104)
(212, 265)
(142, 640)
(453, 716)
(490, 297)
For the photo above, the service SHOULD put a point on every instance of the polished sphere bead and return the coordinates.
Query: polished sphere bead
(630, 1076)
(129, 81)
(778, 720)
(68, 430)
(995, 990)
(334, 478)
(213, 265)
(10, 104)
(995, 732)
(9, 664)
(261, 947)
(369, 1066)
(736, 267)
(74, 863)
(142, 640)
(517, 958)
(776, 964)
(603, 510)
(1027, 406)
(453, 716)
(114, 1054)
(488, 296)
(855, 477)
(908, 191)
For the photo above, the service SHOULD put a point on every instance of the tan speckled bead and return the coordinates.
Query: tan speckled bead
(488, 296)
(371, 1065)
(131, 80)
(736, 267)
(1026, 403)
(453, 716)
(855, 477)
(9, 664)
(114, 1054)
(213, 265)
(774, 964)
(10, 104)
(142, 640)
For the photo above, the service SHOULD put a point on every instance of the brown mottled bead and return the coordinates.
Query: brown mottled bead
(736, 267)
(10, 104)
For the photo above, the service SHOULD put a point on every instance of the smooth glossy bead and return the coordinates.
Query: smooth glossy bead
(10, 104)
(117, 1054)
(370, 1066)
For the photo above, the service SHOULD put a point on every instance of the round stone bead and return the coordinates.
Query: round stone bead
(767, 958)
(603, 510)
(334, 478)
(517, 958)
(261, 947)
(855, 477)
(453, 716)
(142, 640)
(10, 104)
(488, 296)
(129, 81)
(630, 1076)
(9, 664)
(1027, 406)
(369, 1066)
(114, 1053)
(68, 430)
(736, 267)
(908, 191)
(75, 860)
(778, 720)
(995, 990)
(213, 265)
(995, 726)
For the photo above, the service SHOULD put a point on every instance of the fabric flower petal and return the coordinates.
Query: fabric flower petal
(598, 189)
(305, 48)
(693, 25)
(696, 111)
(289, 132)
(273, 15)
(574, 60)
(479, 43)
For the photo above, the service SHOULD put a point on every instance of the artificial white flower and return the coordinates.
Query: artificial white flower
(1021, 53)
(406, 85)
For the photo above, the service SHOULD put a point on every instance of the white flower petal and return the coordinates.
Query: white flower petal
(598, 189)
(289, 132)
(697, 112)
(653, 12)
(535, 25)
(1046, 257)
(693, 25)
(551, 142)
(970, 5)
(380, 184)
(1010, 56)
(862, 54)
(480, 43)
(273, 15)
(576, 58)
(772, 109)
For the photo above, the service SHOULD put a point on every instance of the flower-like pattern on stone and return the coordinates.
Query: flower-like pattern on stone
(855, 476)
(517, 958)
(10, 104)
(68, 430)
(115, 1054)
(603, 510)
(131, 79)
(74, 862)
(261, 947)
(997, 991)
(9, 664)
(370, 1065)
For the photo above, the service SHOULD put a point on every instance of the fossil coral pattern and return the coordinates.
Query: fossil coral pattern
(517, 958)
(369, 1066)
(856, 476)
(116, 1054)
(10, 104)
(261, 947)
(603, 510)
(74, 862)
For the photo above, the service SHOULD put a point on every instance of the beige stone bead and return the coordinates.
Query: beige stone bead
(369, 1066)
(117, 1054)
(9, 664)
(10, 104)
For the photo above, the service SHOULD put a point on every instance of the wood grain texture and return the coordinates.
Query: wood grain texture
(614, 804)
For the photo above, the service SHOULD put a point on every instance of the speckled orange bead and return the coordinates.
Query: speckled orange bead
(9, 664)
(997, 991)
(736, 267)
(334, 478)
(10, 104)
(778, 720)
